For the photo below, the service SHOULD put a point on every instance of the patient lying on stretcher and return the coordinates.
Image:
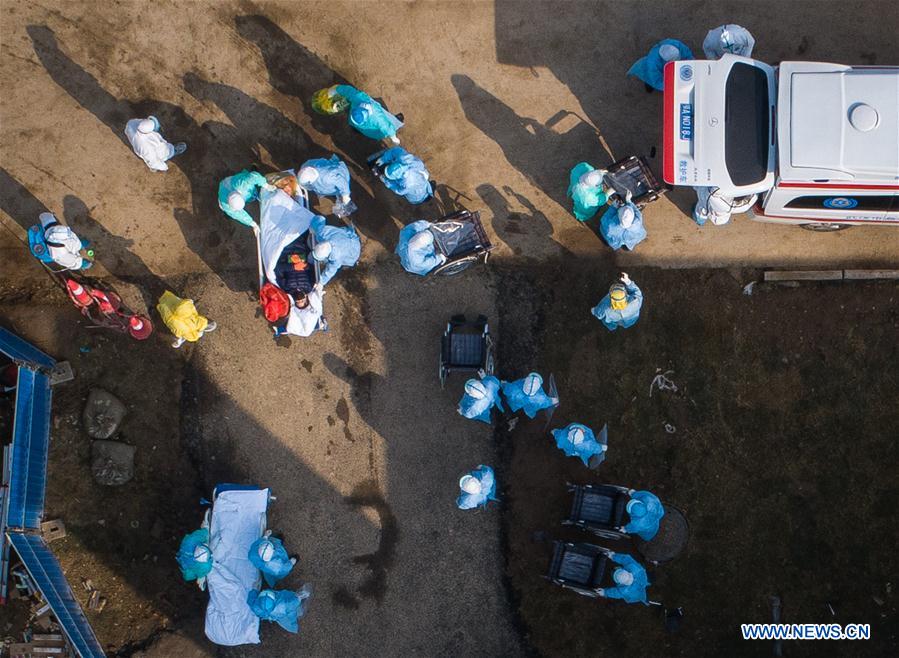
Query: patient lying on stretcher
(295, 275)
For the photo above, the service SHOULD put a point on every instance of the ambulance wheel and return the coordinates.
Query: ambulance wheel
(824, 227)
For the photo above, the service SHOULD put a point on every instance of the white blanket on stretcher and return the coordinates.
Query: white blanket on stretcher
(282, 220)
(237, 520)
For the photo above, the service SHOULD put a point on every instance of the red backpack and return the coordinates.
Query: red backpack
(275, 302)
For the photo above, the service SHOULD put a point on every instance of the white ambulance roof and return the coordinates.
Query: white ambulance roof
(838, 122)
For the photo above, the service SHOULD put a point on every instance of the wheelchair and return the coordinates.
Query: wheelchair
(599, 508)
(633, 175)
(466, 347)
(460, 237)
(582, 568)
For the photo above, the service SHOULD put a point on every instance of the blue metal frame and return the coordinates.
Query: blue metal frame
(31, 442)
(23, 494)
(21, 351)
(44, 569)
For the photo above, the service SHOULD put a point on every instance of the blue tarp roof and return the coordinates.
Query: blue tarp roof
(31, 440)
(47, 574)
(20, 350)
(23, 501)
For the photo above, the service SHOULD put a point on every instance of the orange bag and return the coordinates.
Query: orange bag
(275, 302)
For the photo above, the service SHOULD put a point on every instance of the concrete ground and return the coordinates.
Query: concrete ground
(350, 428)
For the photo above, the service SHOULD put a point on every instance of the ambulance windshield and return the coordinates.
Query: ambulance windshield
(747, 124)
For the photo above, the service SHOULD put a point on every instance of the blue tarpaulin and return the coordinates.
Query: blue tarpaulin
(19, 350)
(31, 439)
(23, 497)
(47, 575)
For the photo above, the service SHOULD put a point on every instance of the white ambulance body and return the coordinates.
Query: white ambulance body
(819, 143)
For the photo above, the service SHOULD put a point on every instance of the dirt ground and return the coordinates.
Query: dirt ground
(782, 459)
(780, 466)
(120, 538)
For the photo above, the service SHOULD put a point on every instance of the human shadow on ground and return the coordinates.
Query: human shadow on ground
(112, 252)
(289, 146)
(565, 41)
(516, 229)
(541, 153)
(214, 151)
(296, 71)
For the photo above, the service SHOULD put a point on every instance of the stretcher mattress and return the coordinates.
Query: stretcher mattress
(236, 521)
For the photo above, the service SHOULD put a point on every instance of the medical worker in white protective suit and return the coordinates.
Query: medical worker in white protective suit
(149, 145)
(622, 226)
(477, 488)
(336, 247)
(729, 38)
(284, 607)
(479, 398)
(269, 556)
(716, 207)
(527, 394)
(63, 245)
(620, 308)
(331, 178)
(417, 250)
(651, 67)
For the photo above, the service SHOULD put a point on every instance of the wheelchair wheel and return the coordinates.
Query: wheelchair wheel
(489, 363)
(455, 267)
(489, 359)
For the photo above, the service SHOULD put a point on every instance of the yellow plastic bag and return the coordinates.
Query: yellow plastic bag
(181, 317)
(328, 101)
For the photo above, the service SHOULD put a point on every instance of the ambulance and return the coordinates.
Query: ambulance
(817, 143)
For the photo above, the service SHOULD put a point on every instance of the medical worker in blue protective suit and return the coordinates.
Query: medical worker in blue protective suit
(527, 393)
(405, 174)
(621, 307)
(194, 555)
(645, 511)
(587, 191)
(368, 116)
(578, 440)
(336, 247)
(284, 607)
(650, 68)
(417, 250)
(729, 38)
(269, 556)
(478, 488)
(630, 579)
(236, 191)
(328, 177)
(479, 398)
(622, 226)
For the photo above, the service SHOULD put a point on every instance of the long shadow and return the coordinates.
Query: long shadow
(540, 152)
(296, 71)
(287, 143)
(516, 229)
(112, 252)
(207, 231)
(630, 124)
